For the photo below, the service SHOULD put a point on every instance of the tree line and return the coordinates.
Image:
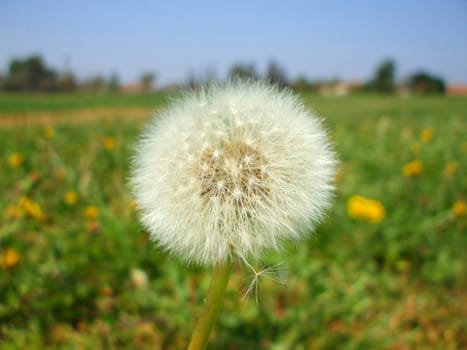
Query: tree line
(32, 74)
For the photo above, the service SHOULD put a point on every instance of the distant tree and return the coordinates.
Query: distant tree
(191, 82)
(95, 84)
(67, 82)
(147, 80)
(30, 75)
(113, 83)
(243, 71)
(206, 76)
(425, 83)
(302, 84)
(384, 78)
(276, 75)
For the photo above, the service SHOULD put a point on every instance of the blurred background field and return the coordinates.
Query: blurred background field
(78, 80)
(78, 272)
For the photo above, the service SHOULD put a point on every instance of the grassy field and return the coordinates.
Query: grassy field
(385, 271)
(11, 103)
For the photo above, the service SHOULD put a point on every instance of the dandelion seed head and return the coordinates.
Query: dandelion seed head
(243, 165)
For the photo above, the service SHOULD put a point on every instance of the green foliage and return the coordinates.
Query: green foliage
(113, 83)
(276, 74)
(354, 285)
(384, 79)
(303, 85)
(68, 82)
(147, 79)
(424, 83)
(243, 71)
(30, 75)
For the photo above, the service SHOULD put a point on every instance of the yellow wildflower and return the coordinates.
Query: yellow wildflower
(91, 213)
(109, 143)
(15, 160)
(459, 208)
(31, 208)
(49, 133)
(10, 258)
(362, 208)
(450, 169)
(13, 212)
(70, 198)
(413, 168)
(426, 135)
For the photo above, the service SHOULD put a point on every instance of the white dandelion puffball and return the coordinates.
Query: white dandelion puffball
(235, 168)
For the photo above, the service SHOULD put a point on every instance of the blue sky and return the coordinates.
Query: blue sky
(318, 39)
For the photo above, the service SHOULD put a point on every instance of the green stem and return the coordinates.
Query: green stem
(212, 304)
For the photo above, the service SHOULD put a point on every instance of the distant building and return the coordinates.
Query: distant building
(339, 88)
(134, 88)
(457, 90)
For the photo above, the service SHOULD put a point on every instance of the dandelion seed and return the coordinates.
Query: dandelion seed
(259, 171)
(277, 273)
(15, 160)
(252, 288)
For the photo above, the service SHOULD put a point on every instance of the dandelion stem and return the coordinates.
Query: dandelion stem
(212, 304)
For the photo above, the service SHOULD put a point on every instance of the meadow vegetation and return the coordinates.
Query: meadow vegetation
(386, 270)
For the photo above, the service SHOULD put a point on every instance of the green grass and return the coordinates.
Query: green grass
(10, 103)
(354, 285)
